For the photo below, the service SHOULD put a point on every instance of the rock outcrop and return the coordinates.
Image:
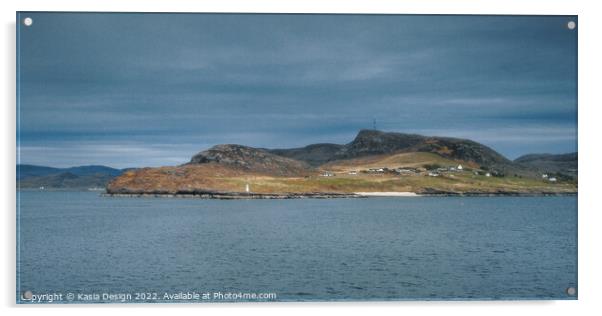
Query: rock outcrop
(251, 159)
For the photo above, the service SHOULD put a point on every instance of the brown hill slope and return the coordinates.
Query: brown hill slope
(227, 169)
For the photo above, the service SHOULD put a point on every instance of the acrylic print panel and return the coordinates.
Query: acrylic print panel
(202, 158)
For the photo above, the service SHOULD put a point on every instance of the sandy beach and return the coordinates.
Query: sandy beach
(404, 194)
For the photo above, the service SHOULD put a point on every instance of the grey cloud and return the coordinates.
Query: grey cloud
(291, 80)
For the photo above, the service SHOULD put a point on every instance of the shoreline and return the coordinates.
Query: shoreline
(236, 195)
(328, 195)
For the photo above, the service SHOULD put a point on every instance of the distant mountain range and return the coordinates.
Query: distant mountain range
(32, 176)
(370, 147)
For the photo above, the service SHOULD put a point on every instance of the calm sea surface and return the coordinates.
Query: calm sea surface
(309, 249)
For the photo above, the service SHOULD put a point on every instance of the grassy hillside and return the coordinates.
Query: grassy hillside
(216, 177)
(401, 160)
(460, 183)
(560, 166)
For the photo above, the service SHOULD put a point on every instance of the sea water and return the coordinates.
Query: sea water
(89, 248)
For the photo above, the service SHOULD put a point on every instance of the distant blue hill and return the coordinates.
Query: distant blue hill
(31, 176)
(27, 171)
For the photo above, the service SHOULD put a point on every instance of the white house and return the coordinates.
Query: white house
(545, 176)
(352, 172)
(459, 167)
(404, 171)
(488, 174)
(552, 179)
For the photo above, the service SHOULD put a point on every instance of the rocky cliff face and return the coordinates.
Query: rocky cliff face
(314, 155)
(372, 142)
(251, 159)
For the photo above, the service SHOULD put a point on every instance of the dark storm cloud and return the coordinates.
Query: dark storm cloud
(151, 89)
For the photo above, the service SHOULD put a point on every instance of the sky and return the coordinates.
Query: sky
(133, 90)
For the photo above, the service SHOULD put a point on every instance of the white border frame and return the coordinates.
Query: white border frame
(589, 27)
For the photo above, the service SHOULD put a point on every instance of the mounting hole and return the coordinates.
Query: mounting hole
(571, 291)
(571, 25)
(27, 295)
(28, 21)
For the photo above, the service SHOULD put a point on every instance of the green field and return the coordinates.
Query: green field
(458, 182)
